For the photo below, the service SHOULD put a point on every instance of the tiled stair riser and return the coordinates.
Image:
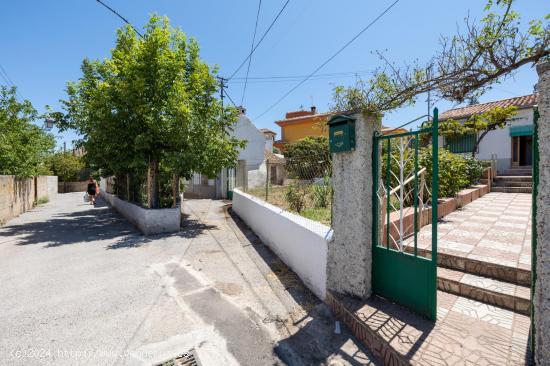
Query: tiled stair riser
(506, 301)
(493, 270)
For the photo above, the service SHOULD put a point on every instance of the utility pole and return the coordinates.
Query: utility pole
(222, 86)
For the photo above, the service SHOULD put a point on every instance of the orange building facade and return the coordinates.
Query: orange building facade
(300, 124)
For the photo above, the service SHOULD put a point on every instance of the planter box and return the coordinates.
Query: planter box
(148, 221)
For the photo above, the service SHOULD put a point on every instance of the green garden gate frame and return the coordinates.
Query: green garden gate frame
(400, 273)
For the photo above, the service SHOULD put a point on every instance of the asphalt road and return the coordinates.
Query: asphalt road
(80, 286)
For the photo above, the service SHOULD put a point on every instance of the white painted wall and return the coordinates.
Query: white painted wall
(257, 177)
(499, 141)
(165, 220)
(253, 153)
(52, 181)
(299, 242)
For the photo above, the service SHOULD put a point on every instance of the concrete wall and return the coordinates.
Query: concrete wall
(51, 182)
(299, 242)
(542, 284)
(67, 187)
(16, 196)
(166, 220)
(349, 264)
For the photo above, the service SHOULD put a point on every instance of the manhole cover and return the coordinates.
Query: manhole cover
(188, 358)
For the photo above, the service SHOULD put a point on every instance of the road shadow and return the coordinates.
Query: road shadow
(92, 225)
(314, 341)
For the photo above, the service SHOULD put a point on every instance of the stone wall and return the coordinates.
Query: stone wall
(16, 196)
(41, 186)
(66, 187)
(51, 182)
(349, 259)
(541, 300)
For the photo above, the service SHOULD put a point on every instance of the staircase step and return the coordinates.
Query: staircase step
(484, 289)
(516, 172)
(512, 189)
(514, 275)
(512, 183)
(515, 178)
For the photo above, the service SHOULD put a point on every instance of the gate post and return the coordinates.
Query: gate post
(541, 255)
(349, 257)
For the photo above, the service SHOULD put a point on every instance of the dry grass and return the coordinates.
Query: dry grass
(276, 196)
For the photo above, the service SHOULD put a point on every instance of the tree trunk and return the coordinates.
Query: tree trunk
(175, 189)
(153, 200)
(128, 187)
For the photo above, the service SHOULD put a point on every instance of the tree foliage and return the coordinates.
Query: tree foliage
(308, 158)
(467, 64)
(67, 166)
(151, 107)
(24, 146)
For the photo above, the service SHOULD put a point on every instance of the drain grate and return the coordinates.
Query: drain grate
(188, 358)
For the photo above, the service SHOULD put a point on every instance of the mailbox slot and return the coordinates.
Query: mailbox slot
(341, 133)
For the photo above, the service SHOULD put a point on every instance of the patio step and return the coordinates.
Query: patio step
(508, 183)
(514, 178)
(496, 271)
(511, 189)
(466, 331)
(517, 171)
(484, 289)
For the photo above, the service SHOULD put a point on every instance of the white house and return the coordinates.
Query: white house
(510, 146)
(250, 159)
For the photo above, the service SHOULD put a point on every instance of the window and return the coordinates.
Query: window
(460, 144)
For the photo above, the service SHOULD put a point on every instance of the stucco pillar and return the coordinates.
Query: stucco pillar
(542, 283)
(349, 260)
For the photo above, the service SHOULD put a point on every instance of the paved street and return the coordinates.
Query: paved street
(82, 286)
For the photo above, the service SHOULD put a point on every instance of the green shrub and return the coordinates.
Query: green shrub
(452, 171)
(321, 193)
(474, 170)
(67, 166)
(295, 197)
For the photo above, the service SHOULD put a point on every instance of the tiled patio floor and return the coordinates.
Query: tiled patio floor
(495, 228)
(466, 332)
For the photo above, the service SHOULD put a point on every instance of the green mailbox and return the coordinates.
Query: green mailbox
(341, 133)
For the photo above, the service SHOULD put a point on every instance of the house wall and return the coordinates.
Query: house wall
(499, 141)
(297, 131)
(253, 153)
(299, 242)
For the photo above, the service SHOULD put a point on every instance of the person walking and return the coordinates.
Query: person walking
(93, 189)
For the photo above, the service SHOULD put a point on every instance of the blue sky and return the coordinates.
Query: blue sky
(44, 42)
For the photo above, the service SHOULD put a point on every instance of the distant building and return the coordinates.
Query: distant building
(510, 146)
(300, 124)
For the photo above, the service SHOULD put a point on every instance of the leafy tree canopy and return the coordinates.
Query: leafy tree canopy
(23, 145)
(151, 103)
(467, 64)
(308, 158)
(67, 166)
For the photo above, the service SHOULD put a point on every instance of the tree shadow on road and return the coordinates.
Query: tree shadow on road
(92, 225)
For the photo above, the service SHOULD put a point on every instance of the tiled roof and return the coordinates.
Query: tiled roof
(273, 158)
(302, 118)
(525, 101)
(267, 130)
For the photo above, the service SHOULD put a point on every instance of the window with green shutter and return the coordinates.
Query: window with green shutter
(460, 144)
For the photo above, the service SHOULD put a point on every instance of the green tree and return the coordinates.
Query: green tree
(467, 64)
(151, 106)
(24, 146)
(308, 158)
(67, 166)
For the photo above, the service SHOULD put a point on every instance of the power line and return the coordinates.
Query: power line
(261, 39)
(120, 16)
(9, 82)
(330, 58)
(251, 49)
(332, 74)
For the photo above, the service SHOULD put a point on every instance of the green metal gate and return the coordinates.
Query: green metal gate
(402, 203)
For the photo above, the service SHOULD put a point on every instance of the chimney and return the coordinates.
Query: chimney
(241, 109)
(313, 109)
